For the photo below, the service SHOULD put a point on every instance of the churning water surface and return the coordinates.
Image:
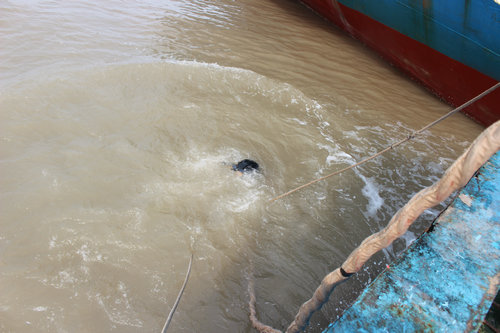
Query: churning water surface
(117, 124)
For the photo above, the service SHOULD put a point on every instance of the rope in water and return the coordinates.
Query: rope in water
(457, 175)
(454, 178)
(262, 328)
(171, 314)
(394, 145)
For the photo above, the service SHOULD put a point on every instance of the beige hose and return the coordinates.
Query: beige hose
(454, 178)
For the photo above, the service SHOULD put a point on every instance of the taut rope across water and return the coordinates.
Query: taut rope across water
(394, 145)
(457, 175)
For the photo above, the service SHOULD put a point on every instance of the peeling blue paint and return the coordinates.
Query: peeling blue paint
(441, 282)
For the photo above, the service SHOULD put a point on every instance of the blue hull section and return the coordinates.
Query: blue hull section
(447, 280)
(465, 30)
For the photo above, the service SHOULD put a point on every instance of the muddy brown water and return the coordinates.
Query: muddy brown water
(117, 124)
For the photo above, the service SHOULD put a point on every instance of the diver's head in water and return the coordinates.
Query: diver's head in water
(246, 166)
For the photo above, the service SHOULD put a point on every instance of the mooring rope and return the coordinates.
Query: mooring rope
(394, 145)
(457, 175)
(262, 328)
(171, 314)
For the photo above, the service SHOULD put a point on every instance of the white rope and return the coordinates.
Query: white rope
(410, 137)
(171, 314)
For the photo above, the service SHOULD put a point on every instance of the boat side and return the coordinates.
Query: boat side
(451, 49)
(447, 279)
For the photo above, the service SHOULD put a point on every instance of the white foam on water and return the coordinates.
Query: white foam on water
(408, 237)
(143, 169)
(371, 192)
(118, 308)
(40, 308)
(300, 122)
(335, 153)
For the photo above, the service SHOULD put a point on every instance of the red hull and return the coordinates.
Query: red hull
(449, 79)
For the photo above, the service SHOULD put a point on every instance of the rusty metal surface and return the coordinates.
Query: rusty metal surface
(448, 278)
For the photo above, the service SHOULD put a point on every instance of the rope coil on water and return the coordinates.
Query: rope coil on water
(457, 175)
